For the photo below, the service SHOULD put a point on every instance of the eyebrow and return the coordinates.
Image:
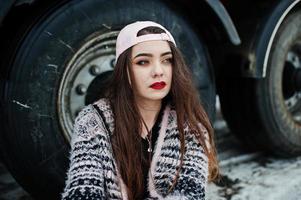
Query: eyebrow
(151, 55)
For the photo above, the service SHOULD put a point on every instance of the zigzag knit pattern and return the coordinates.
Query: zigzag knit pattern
(93, 174)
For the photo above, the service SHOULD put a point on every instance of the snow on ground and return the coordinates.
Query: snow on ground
(260, 178)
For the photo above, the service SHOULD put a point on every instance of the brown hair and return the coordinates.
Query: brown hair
(126, 140)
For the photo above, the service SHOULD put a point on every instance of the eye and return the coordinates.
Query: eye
(142, 62)
(168, 60)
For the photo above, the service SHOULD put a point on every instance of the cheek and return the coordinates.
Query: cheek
(140, 77)
(142, 73)
(169, 73)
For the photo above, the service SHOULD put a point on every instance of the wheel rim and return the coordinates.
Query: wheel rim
(291, 82)
(87, 67)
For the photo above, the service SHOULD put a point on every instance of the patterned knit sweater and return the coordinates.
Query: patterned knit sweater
(93, 173)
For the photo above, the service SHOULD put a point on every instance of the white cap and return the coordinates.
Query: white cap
(127, 37)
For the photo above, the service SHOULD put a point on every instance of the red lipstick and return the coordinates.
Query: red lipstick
(158, 85)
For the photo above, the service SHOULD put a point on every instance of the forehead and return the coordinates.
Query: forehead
(155, 47)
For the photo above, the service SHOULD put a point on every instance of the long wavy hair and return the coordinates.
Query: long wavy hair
(126, 139)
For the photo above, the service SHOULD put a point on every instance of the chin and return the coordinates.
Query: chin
(158, 96)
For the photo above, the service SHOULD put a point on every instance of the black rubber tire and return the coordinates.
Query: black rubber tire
(35, 150)
(254, 108)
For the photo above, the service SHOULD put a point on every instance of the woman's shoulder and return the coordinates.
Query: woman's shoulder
(85, 113)
(103, 104)
(88, 111)
(87, 121)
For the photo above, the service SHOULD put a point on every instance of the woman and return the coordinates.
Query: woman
(150, 138)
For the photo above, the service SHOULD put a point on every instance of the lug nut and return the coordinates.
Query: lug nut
(113, 63)
(81, 89)
(94, 70)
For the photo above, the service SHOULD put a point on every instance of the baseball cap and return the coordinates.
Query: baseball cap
(127, 37)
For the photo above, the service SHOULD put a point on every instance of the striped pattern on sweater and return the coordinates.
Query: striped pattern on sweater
(93, 173)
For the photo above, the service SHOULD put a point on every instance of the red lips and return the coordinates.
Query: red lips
(158, 85)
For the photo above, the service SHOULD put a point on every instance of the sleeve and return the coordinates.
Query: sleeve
(193, 176)
(85, 179)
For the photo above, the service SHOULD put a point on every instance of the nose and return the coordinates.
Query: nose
(157, 70)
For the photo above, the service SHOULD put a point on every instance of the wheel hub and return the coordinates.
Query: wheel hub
(292, 83)
(82, 79)
(298, 80)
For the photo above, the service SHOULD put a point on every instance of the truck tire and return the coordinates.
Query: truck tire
(59, 65)
(266, 113)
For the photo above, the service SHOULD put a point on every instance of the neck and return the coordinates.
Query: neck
(149, 111)
(149, 106)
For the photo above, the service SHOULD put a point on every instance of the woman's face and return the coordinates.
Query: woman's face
(152, 69)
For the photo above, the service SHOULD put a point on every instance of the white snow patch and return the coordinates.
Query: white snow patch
(260, 179)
